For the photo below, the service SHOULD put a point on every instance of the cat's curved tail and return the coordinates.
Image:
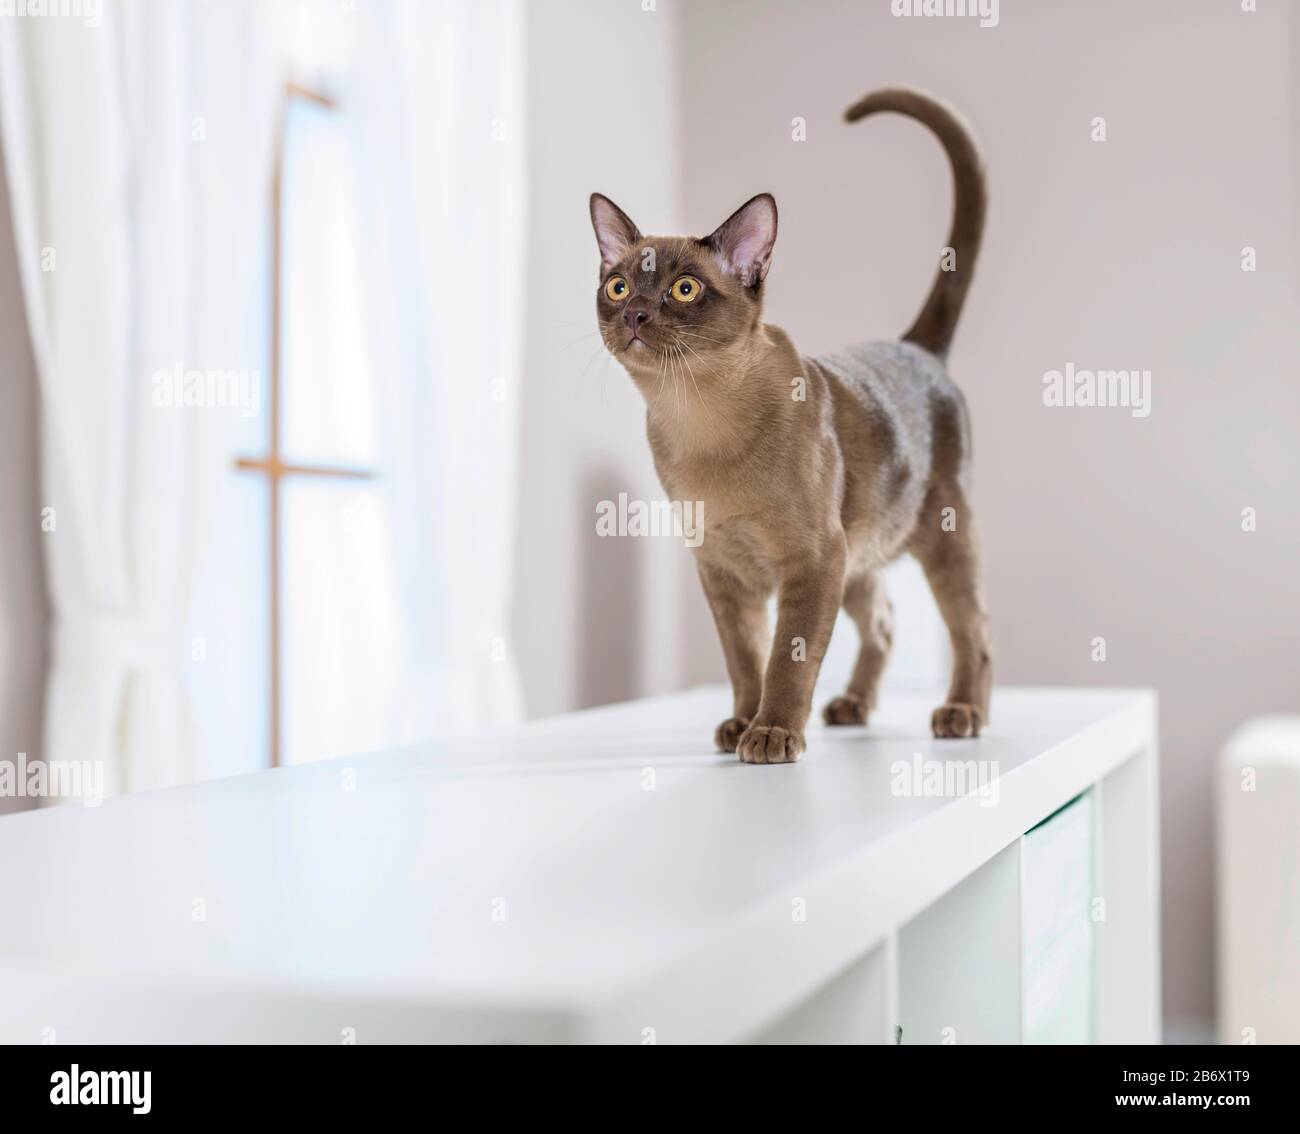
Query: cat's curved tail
(934, 326)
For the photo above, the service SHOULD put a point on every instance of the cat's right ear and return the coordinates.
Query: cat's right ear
(615, 233)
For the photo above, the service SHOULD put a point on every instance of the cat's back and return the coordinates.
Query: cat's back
(898, 379)
(901, 423)
(901, 389)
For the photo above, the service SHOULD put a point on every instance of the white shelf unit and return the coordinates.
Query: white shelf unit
(959, 970)
(606, 877)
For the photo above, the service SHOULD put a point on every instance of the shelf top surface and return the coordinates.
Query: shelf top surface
(572, 853)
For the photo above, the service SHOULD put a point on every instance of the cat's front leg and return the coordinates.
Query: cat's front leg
(740, 614)
(807, 601)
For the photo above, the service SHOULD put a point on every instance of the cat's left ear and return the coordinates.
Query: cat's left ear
(615, 233)
(743, 242)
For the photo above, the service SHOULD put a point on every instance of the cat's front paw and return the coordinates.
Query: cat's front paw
(846, 709)
(956, 720)
(728, 733)
(770, 744)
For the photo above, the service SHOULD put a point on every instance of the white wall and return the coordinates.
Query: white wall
(1111, 255)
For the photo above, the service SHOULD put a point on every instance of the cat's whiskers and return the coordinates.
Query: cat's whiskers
(716, 350)
(674, 368)
(678, 385)
(691, 330)
(681, 369)
(663, 366)
(686, 363)
(704, 405)
(710, 369)
(587, 334)
(582, 377)
(722, 383)
(700, 358)
(677, 358)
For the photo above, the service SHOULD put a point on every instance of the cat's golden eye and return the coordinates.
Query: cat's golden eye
(686, 289)
(616, 289)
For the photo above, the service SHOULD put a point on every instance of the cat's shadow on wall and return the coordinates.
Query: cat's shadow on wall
(612, 581)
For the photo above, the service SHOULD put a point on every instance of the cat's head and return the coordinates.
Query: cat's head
(662, 297)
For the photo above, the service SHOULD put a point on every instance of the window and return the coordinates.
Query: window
(306, 514)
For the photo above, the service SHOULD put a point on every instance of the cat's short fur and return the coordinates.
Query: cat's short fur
(814, 473)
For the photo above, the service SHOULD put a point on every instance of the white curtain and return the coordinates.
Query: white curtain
(137, 151)
(435, 106)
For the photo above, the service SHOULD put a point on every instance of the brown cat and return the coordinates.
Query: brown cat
(814, 473)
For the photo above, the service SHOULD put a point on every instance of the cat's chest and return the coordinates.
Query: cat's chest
(745, 545)
(737, 531)
(743, 526)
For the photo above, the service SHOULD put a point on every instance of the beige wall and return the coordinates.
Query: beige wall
(1122, 254)
(596, 619)
(22, 591)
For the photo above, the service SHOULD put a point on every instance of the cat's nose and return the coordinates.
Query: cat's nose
(634, 317)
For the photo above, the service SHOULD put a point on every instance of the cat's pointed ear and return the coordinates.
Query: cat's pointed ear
(615, 232)
(743, 242)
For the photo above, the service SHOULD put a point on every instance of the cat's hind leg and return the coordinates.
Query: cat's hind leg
(947, 545)
(867, 604)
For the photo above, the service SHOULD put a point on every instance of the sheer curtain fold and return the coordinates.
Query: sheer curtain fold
(437, 120)
(134, 150)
